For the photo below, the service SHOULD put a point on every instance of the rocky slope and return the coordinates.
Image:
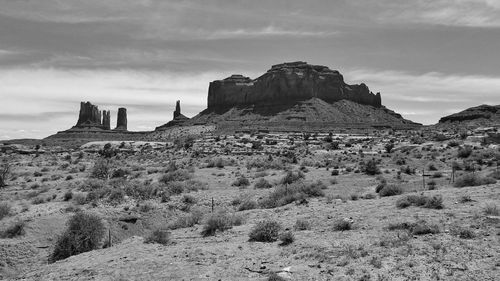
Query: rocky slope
(479, 115)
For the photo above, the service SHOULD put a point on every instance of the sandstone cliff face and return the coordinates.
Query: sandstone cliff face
(106, 120)
(89, 115)
(287, 83)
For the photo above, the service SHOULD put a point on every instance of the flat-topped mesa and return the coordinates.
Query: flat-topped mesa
(287, 83)
(89, 116)
(121, 121)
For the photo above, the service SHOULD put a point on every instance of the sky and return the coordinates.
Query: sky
(427, 58)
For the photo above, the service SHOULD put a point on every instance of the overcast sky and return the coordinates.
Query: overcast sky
(428, 58)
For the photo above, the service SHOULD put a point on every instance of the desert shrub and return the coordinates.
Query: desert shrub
(68, 195)
(17, 229)
(431, 185)
(178, 175)
(188, 220)
(465, 233)
(84, 233)
(265, 231)
(101, 169)
(491, 209)
(371, 168)
(437, 175)
(175, 188)
(116, 196)
(464, 152)
(217, 162)
(219, 221)
(342, 225)
(465, 199)
(286, 238)
(194, 185)
(142, 191)
(69, 177)
(247, 204)
(286, 194)
(120, 173)
(108, 151)
(146, 207)
(473, 180)
(388, 147)
(159, 236)
(433, 202)
(400, 226)
(188, 200)
(302, 224)
(80, 198)
(262, 183)
(369, 196)
(38, 200)
(241, 182)
(265, 164)
(391, 190)
(422, 228)
(292, 177)
(5, 209)
(335, 172)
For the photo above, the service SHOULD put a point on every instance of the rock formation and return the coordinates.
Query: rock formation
(287, 83)
(484, 113)
(106, 120)
(179, 118)
(90, 116)
(121, 122)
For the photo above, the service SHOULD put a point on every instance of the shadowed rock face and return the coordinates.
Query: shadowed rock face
(89, 115)
(121, 123)
(287, 83)
(106, 120)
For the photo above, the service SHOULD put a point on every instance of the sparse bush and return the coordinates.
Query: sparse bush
(189, 220)
(342, 225)
(188, 200)
(178, 175)
(84, 233)
(219, 221)
(265, 231)
(286, 238)
(108, 151)
(116, 196)
(422, 228)
(473, 180)
(465, 199)
(292, 177)
(38, 200)
(302, 224)
(283, 195)
(464, 152)
(68, 195)
(371, 168)
(437, 175)
(434, 202)
(159, 236)
(273, 276)
(491, 209)
(465, 233)
(390, 190)
(101, 169)
(5, 209)
(388, 147)
(80, 198)
(120, 173)
(15, 230)
(335, 172)
(262, 183)
(241, 182)
(248, 204)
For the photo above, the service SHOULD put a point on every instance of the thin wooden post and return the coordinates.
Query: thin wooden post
(423, 178)
(212, 204)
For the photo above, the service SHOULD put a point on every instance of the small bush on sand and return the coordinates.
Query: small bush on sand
(217, 222)
(275, 277)
(491, 210)
(159, 236)
(262, 183)
(342, 225)
(423, 228)
(390, 190)
(464, 152)
(473, 180)
(248, 204)
(184, 221)
(433, 202)
(101, 169)
(371, 168)
(292, 177)
(286, 238)
(302, 224)
(265, 231)
(177, 175)
(17, 229)
(68, 195)
(5, 209)
(84, 233)
(286, 194)
(241, 182)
